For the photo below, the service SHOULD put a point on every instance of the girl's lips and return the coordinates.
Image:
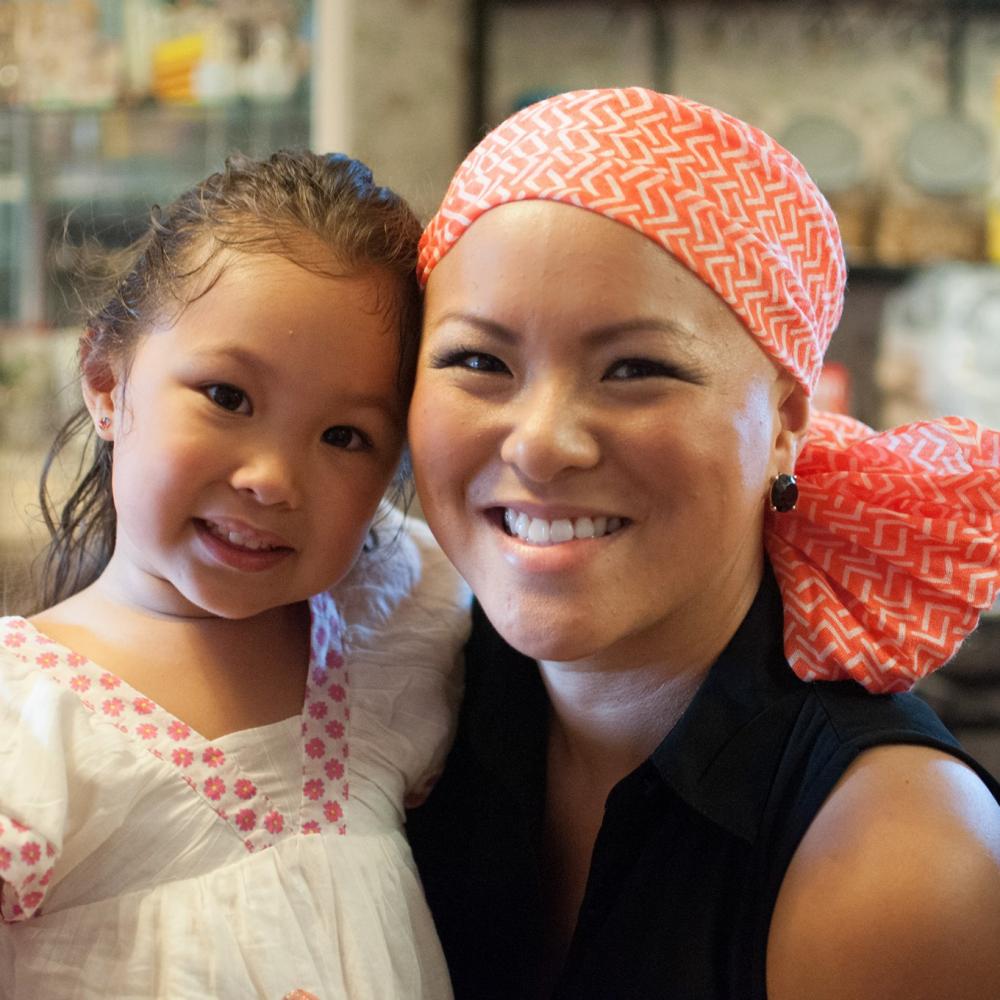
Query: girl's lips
(243, 535)
(239, 557)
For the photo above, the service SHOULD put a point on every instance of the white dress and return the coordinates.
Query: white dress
(140, 860)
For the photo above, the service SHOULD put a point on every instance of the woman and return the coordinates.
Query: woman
(669, 778)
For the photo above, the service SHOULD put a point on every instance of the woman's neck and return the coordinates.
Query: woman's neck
(609, 722)
(614, 707)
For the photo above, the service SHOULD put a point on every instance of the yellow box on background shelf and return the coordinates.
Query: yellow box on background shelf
(175, 63)
(993, 198)
(993, 229)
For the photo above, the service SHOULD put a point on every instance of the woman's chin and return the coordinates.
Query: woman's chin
(542, 640)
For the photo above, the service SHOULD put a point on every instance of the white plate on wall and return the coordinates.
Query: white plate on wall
(946, 155)
(830, 150)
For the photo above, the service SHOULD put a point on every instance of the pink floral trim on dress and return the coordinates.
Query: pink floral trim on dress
(201, 764)
(325, 716)
(26, 863)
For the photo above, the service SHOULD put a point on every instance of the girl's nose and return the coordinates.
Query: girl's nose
(548, 436)
(270, 477)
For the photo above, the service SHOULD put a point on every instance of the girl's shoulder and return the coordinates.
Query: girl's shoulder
(404, 573)
(406, 615)
(22, 650)
(60, 771)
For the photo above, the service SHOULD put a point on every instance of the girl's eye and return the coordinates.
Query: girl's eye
(474, 361)
(636, 368)
(348, 438)
(228, 397)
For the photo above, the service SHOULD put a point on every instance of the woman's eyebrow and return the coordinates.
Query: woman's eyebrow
(640, 324)
(598, 335)
(487, 326)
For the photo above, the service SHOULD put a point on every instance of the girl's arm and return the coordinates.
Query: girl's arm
(894, 892)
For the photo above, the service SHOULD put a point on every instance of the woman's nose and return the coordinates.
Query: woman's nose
(270, 476)
(549, 435)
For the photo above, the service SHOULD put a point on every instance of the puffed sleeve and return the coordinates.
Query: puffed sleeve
(407, 616)
(33, 794)
(67, 780)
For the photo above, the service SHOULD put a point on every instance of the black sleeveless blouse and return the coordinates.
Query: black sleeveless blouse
(694, 843)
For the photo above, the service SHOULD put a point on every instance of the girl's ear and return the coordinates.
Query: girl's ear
(792, 424)
(100, 390)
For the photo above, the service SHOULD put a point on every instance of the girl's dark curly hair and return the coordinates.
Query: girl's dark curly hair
(324, 213)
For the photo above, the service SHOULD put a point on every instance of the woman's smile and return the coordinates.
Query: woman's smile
(559, 530)
(592, 435)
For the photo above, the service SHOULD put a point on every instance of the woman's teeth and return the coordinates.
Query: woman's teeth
(537, 531)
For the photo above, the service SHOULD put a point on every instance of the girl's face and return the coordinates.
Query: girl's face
(593, 435)
(253, 439)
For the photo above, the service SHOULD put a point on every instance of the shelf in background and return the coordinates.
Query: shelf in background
(104, 168)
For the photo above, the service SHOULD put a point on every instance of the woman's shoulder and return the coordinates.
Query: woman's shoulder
(894, 891)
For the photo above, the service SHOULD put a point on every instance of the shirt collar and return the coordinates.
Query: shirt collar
(721, 755)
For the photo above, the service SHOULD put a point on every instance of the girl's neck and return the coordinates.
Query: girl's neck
(107, 611)
(218, 675)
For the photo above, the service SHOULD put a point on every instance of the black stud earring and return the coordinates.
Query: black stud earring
(784, 493)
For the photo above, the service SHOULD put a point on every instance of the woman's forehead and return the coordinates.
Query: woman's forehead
(532, 257)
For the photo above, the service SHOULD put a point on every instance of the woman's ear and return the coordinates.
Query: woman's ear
(793, 422)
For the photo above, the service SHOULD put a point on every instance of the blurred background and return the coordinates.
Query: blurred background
(110, 106)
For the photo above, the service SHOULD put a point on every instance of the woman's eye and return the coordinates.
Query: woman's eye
(228, 397)
(348, 438)
(634, 368)
(475, 361)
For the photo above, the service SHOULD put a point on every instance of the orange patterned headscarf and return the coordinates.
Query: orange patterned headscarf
(894, 547)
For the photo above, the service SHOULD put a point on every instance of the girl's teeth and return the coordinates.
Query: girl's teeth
(235, 538)
(538, 531)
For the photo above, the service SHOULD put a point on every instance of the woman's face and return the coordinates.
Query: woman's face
(593, 435)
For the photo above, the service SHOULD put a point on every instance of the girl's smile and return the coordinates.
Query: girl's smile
(253, 437)
(245, 549)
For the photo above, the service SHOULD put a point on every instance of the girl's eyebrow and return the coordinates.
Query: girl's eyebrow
(598, 335)
(238, 354)
(263, 368)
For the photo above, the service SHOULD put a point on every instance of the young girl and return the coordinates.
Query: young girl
(207, 736)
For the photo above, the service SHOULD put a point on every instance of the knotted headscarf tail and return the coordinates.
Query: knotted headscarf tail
(894, 547)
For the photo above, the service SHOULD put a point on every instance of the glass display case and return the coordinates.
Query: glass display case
(68, 176)
(107, 109)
